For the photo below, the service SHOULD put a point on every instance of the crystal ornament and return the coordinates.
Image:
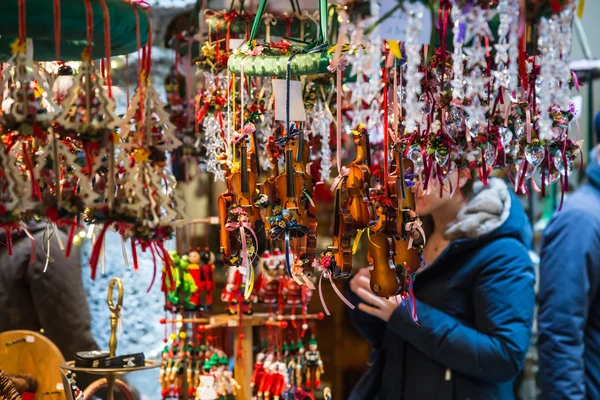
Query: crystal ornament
(490, 153)
(477, 23)
(457, 67)
(441, 157)
(506, 135)
(552, 177)
(413, 105)
(559, 164)
(415, 155)
(365, 59)
(534, 154)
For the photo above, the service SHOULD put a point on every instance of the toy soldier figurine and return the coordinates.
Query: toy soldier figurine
(313, 365)
(208, 276)
(259, 370)
(279, 381)
(299, 359)
(265, 379)
(193, 268)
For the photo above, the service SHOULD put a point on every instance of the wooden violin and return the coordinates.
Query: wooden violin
(404, 199)
(243, 183)
(308, 244)
(228, 242)
(358, 181)
(342, 236)
(384, 281)
(269, 187)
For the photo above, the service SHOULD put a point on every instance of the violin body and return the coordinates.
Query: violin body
(228, 242)
(343, 228)
(243, 184)
(384, 280)
(357, 183)
(308, 247)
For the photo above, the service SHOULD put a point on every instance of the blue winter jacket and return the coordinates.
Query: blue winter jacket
(475, 309)
(569, 297)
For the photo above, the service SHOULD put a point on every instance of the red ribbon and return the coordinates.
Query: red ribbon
(22, 26)
(90, 26)
(72, 229)
(107, 45)
(57, 28)
(134, 253)
(94, 257)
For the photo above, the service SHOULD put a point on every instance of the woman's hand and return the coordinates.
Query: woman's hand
(372, 305)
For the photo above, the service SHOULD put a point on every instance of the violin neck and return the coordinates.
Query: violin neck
(244, 168)
(289, 173)
(300, 147)
(366, 148)
(336, 211)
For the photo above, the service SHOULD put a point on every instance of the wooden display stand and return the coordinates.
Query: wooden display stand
(31, 353)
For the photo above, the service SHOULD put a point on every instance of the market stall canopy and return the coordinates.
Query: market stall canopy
(40, 27)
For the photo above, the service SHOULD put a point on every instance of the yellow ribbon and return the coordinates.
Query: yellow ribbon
(580, 9)
(395, 48)
(369, 236)
(357, 240)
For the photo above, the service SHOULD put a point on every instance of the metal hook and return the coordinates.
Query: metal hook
(119, 283)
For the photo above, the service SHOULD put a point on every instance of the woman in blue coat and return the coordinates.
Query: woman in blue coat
(475, 299)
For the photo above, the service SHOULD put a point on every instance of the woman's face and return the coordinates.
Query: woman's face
(428, 203)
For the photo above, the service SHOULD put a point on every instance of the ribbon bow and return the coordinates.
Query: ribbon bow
(257, 51)
(248, 128)
(144, 5)
(238, 136)
(341, 63)
(292, 134)
(242, 224)
(413, 225)
(290, 230)
(340, 178)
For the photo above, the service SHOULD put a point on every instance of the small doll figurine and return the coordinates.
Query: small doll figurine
(163, 378)
(258, 371)
(297, 295)
(313, 365)
(195, 271)
(231, 385)
(271, 281)
(265, 379)
(206, 390)
(278, 381)
(233, 293)
(208, 276)
(299, 360)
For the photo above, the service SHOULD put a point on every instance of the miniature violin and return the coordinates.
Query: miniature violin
(269, 187)
(308, 245)
(384, 280)
(228, 241)
(406, 256)
(358, 181)
(243, 183)
(342, 235)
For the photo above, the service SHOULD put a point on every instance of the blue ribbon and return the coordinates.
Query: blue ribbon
(288, 265)
(292, 134)
(409, 178)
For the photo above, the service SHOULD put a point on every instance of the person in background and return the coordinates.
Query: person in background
(569, 296)
(53, 302)
(475, 301)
